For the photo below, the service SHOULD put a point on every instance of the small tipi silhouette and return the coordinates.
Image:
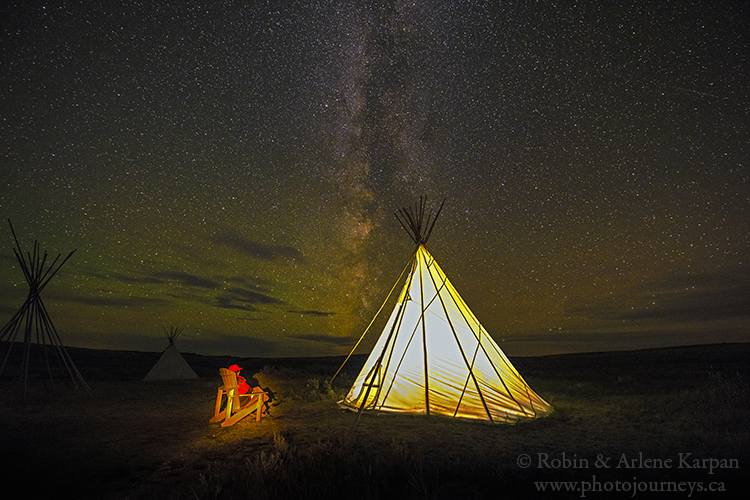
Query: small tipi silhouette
(171, 365)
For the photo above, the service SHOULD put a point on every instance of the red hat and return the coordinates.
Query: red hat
(235, 368)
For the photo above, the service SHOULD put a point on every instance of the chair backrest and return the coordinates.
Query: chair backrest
(229, 378)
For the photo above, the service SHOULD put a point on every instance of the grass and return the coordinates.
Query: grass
(153, 440)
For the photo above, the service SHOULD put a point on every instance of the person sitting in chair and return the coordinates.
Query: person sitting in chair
(244, 388)
(242, 385)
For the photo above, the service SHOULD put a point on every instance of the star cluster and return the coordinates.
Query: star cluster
(231, 168)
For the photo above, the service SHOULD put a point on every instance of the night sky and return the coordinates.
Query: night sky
(231, 168)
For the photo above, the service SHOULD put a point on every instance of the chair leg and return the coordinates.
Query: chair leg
(247, 410)
(255, 404)
(217, 414)
(224, 414)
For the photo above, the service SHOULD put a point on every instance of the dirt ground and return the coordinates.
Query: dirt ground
(154, 440)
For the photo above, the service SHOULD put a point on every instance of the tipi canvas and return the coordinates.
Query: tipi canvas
(171, 364)
(434, 357)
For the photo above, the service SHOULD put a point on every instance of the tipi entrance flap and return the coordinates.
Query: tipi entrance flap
(434, 356)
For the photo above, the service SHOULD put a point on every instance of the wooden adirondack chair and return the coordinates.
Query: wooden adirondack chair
(234, 410)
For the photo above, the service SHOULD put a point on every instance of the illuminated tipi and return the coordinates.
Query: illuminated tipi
(433, 356)
(42, 349)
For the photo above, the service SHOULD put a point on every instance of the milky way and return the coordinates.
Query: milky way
(232, 168)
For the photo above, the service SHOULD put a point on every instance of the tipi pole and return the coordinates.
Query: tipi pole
(376, 368)
(9, 332)
(424, 342)
(398, 322)
(429, 231)
(389, 341)
(373, 371)
(27, 348)
(373, 320)
(400, 361)
(34, 318)
(64, 359)
(484, 349)
(469, 366)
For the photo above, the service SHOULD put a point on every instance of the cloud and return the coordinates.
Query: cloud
(161, 277)
(219, 343)
(313, 313)
(678, 298)
(617, 340)
(150, 280)
(243, 299)
(258, 250)
(703, 305)
(244, 295)
(224, 302)
(112, 301)
(185, 278)
(326, 339)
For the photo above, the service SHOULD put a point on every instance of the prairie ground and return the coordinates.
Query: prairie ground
(671, 422)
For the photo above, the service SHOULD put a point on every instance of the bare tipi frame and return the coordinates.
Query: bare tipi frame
(32, 326)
